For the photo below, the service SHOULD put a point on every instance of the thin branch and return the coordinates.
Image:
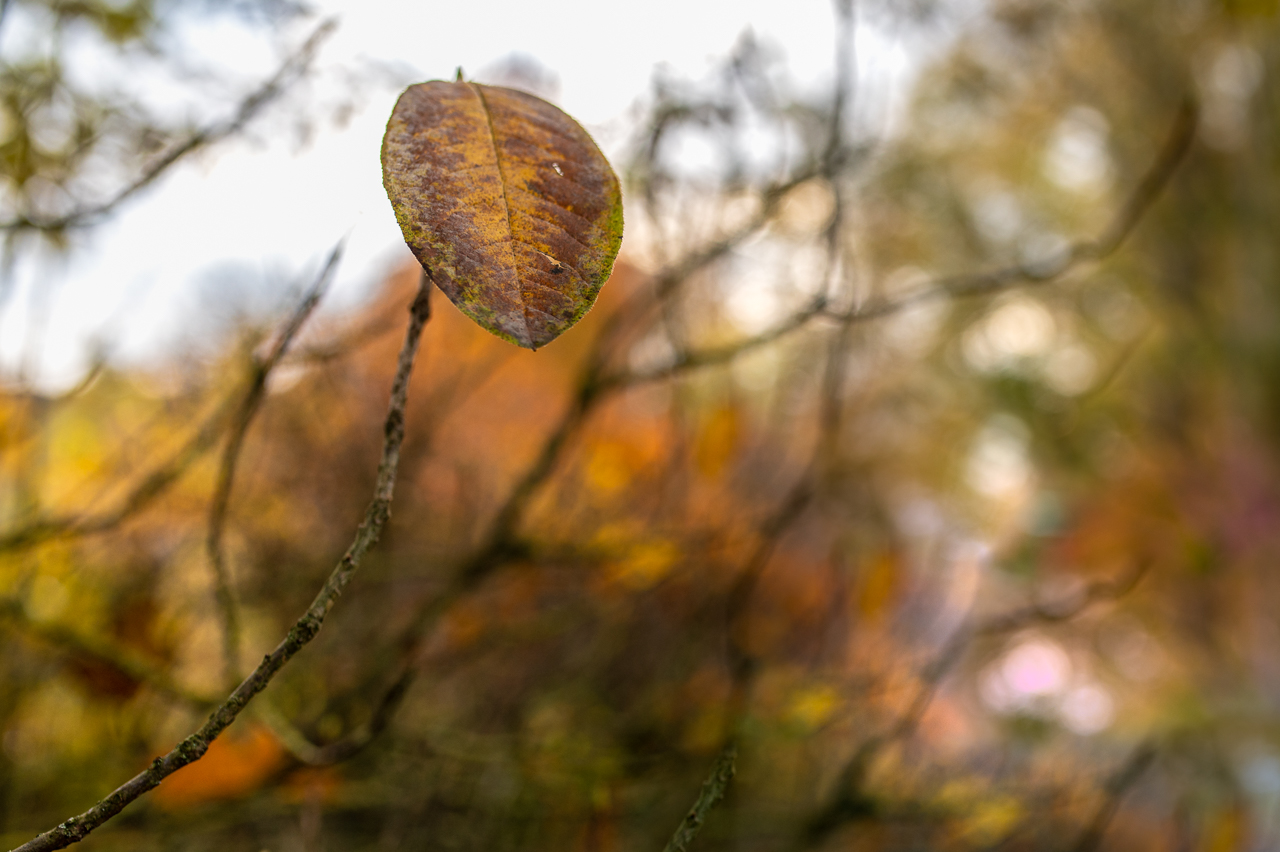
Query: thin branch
(1019, 619)
(102, 650)
(293, 68)
(346, 343)
(674, 274)
(1153, 182)
(846, 71)
(847, 799)
(1176, 145)
(497, 547)
(451, 394)
(384, 710)
(90, 376)
(1120, 783)
(501, 543)
(714, 356)
(154, 484)
(713, 790)
(742, 664)
(249, 406)
(304, 629)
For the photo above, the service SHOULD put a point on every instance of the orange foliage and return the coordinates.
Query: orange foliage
(236, 764)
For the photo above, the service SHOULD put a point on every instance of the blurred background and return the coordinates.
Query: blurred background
(922, 447)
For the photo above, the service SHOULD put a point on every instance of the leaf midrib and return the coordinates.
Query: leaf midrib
(506, 206)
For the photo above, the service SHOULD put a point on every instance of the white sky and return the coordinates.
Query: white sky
(269, 210)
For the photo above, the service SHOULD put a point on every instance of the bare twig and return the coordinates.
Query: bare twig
(846, 798)
(846, 69)
(89, 377)
(304, 629)
(154, 484)
(742, 664)
(674, 274)
(697, 359)
(157, 482)
(347, 343)
(249, 406)
(1119, 784)
(501, 542)
(713, 790)
(1176, 145)
(292, 69)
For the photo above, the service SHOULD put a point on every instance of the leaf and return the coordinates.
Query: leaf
(506, 201)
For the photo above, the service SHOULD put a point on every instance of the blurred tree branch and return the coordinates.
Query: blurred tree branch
(847, 800)
(104, 650)
(40, 529)
(289, 72)
(244, 415)
(237, 409)
(304, 629)
(1114, 791)
(595, 383)
(1043, 270)
(623, 559)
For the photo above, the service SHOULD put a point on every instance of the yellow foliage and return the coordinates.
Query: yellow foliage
(645, 564)
(813, 706)
(1226, 832)
(879, 582)
(717, 441)
(609, 469)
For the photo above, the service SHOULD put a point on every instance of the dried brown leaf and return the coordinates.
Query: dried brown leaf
(506, 201)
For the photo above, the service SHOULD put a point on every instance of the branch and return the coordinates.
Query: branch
(346, 343)
(103, 650)
(501, 542)
(90, 376)
(713, 790)
(846, 799)
(674, 274)
(293, 68)
(351, 744)
(1153, 182)
(1176, 145)
(714, 356)
(846, 70)
(231, 455)
(155, 483)
(304, 629)
(1119, 784)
